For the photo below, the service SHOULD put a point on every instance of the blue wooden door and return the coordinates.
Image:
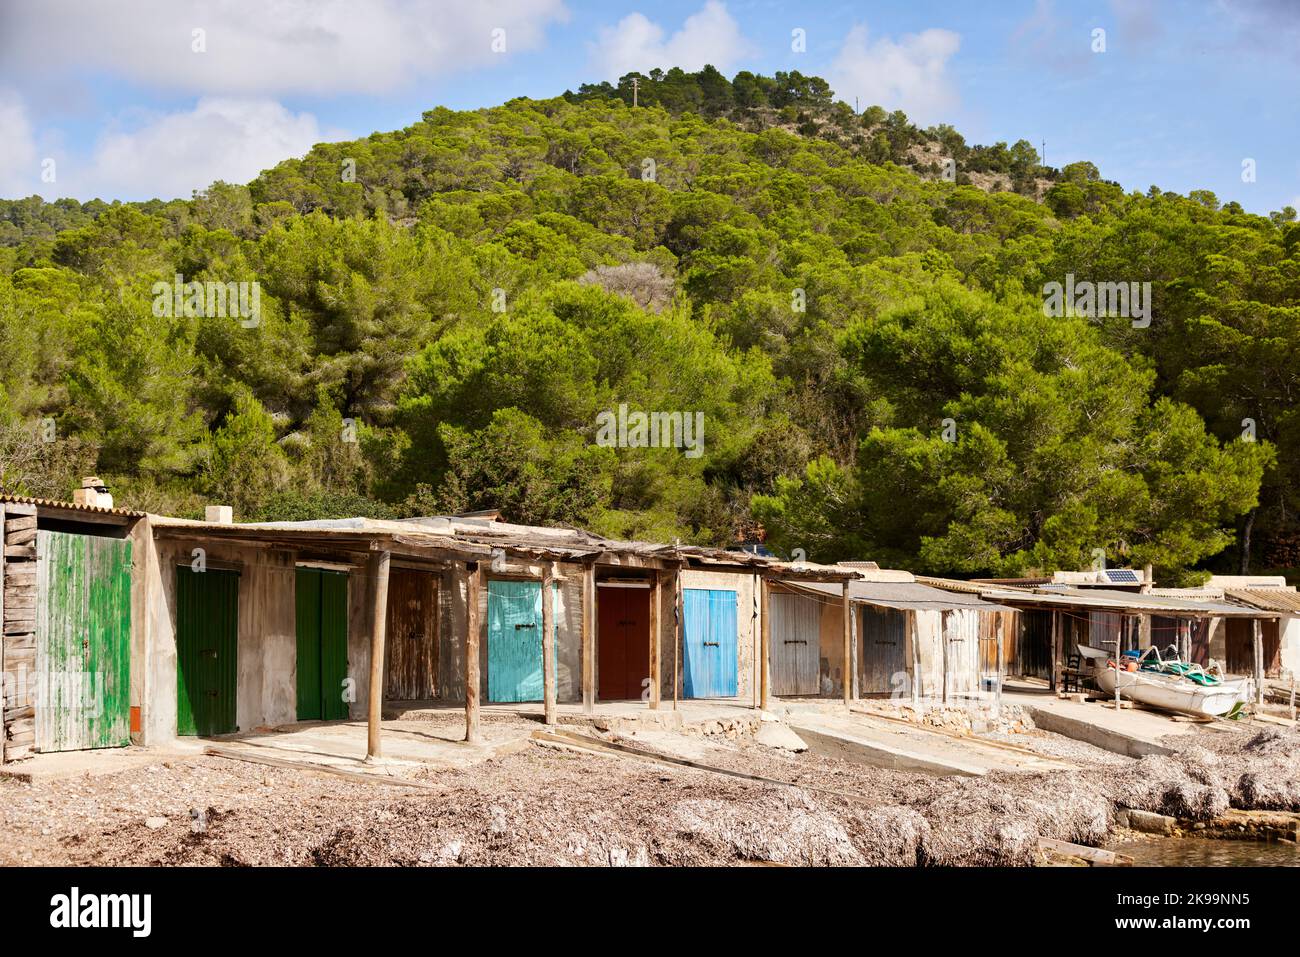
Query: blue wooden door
(710, 643)
(515, 640)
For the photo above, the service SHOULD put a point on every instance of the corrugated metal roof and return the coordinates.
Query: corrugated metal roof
(906, 596)
(1107, 600)
(1191, 594)
(68, 506)
(1285, 600)
(478, 535)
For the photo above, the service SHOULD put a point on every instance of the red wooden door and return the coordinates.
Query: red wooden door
(623, 657)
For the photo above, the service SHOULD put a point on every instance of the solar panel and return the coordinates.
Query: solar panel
(1125, 575)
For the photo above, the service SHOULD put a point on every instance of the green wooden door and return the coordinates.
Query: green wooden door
(322, 626)
(207, 632)
(83, 642)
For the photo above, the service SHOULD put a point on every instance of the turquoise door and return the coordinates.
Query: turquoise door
(515, 641)
(710, 643)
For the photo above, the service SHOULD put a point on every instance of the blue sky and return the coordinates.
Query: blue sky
(131, 100)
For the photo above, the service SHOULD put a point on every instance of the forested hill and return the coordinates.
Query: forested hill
(444, 313)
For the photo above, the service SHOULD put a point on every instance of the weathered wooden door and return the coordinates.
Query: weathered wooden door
(412, 645)
(1035, 647)
(884, 651)
(796, 645)
(1239, 647)
(709, 643)
(515, 641)
(83, 642)
(207, 635)
(623, 630)
(321, 600)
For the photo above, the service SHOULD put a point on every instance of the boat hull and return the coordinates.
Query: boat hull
(1172, 694)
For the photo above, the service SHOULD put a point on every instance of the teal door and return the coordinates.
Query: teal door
(322, 625)
(207, 638)
(515, 641)
(709, 643)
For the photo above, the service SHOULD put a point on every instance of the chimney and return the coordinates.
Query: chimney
(219, 514)
(93, 492)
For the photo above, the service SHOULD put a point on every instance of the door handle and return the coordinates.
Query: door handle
(796, 641)
(714, 644)
(531, 624)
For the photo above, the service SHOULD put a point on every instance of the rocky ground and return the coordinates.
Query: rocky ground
(543, 806)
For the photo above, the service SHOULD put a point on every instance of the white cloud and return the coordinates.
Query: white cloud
(260, 48)
(18, 164)
(908, 74)
(710, 36)
(175, 153)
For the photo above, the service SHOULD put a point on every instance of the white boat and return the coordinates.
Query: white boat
(1173, 692)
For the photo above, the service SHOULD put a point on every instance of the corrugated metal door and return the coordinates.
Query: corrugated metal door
(515, 641)
(623, 638)
(884, 650)
(322, 627)
(796, 644)
(333, 644)
(207, 630)
(83, 642)
(411, 673)
(709, 642)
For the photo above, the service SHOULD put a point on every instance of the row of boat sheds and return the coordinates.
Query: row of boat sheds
(121, 627)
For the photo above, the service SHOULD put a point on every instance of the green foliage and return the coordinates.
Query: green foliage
(440, 329)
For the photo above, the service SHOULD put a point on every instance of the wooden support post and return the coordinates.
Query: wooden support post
(378, 627)
(847, 607)
(588, 639)
(548, 644)
(1257, 639)
(473, 579)
(765, 640)
(656, 637)
(1001, 665)
(855, 684)
(678, 625)
(4, 676)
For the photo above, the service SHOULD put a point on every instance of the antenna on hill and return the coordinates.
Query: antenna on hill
(634, 86)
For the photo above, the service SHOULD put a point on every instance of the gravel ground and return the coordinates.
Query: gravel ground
(546, 807)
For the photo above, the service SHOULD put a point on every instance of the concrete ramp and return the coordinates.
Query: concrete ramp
(900, 747)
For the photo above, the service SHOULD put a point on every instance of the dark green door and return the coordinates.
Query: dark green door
(207, 630)
(322, 604)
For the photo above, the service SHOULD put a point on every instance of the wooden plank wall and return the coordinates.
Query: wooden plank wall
(19, 630)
